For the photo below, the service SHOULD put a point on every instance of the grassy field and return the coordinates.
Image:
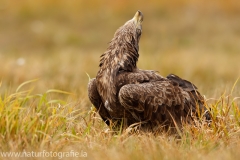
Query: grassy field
(48, 49)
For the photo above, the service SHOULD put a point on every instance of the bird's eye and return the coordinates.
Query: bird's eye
(121, 70)
(138, 31)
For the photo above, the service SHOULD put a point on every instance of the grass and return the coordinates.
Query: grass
(48, 49)
(37, 122)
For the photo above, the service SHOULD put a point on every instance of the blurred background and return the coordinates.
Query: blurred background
(60, 42)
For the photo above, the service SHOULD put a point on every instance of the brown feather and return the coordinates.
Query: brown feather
(121, 91)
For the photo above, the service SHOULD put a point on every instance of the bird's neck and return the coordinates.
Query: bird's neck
(120, 54)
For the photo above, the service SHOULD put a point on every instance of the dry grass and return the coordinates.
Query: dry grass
(58, 42)
(37, 122)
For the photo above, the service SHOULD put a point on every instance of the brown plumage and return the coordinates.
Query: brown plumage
(124, 94)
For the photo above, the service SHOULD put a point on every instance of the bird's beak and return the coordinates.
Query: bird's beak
(138, 18)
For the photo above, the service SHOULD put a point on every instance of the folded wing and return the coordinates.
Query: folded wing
(97, 101)
(159, 101)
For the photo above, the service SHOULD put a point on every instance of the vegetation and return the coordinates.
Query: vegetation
(48, 49)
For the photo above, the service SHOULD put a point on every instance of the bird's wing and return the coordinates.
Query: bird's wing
(186, 85)
(139, 76)
(196, 97)
(97, 101)
(155, 100)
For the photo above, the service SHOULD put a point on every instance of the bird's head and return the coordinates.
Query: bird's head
(137, 20)
(131, 31)
(124, 45)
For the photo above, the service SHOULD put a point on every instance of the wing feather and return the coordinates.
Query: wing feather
(97, 101)
(161, 96)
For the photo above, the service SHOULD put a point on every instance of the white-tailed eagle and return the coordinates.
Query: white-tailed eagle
(124, 94)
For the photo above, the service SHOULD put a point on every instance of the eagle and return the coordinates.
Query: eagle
(125, 95)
